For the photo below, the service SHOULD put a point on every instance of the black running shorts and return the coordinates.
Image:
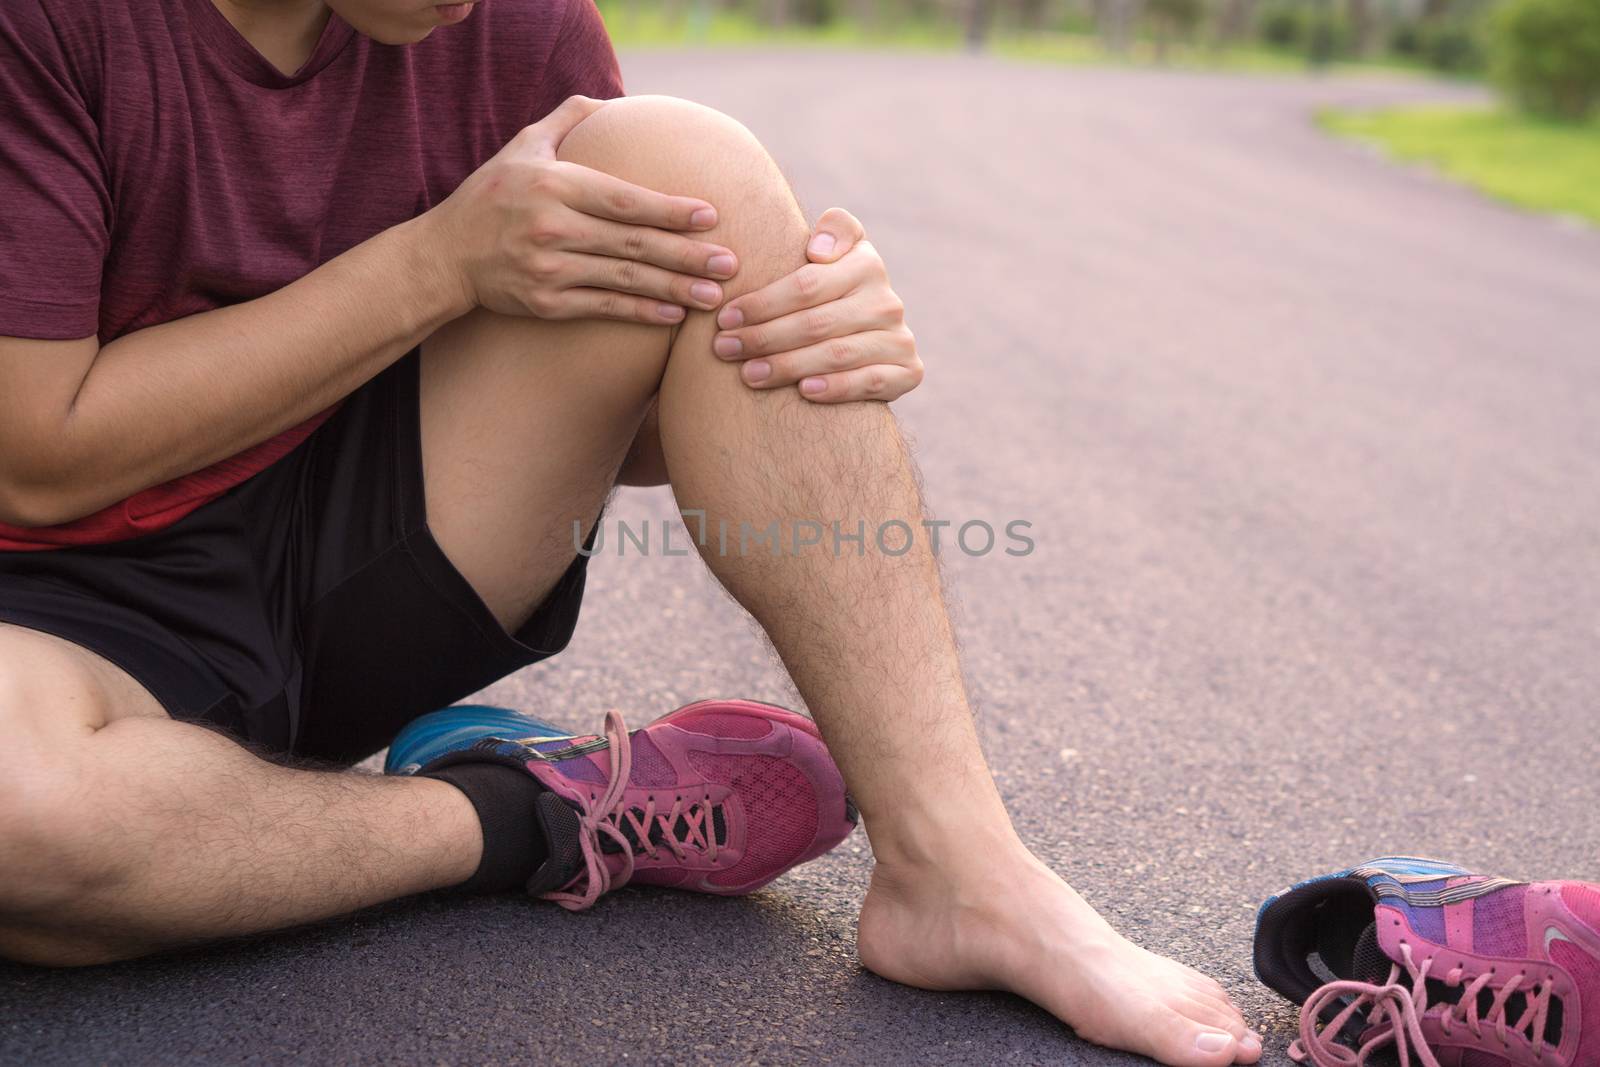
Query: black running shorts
(308, 610)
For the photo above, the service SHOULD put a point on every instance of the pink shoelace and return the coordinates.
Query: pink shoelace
(606, 814)
(1403, 1007)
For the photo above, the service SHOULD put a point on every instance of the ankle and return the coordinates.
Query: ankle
(503, 800)
(948, 854)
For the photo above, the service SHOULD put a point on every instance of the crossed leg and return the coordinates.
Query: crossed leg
(123, 832)
(526, 424)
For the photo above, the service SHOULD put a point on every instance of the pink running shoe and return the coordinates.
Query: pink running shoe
(1414, 957)
(719, 797)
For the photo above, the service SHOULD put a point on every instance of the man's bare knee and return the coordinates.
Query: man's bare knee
(48, 802)
(644, 131)
(37, 797)
(686, 149)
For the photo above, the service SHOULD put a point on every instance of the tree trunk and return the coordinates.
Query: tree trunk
(1234, 25)
(1363, 27)
(1031, 14)
(1118, 20)
(979, 15)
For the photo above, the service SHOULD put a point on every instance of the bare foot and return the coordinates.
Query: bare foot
(1025, 931)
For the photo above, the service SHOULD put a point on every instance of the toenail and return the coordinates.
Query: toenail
(1212, 1041)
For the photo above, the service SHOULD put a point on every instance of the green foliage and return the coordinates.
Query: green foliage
(1452, 44)
(1183, 15)
(1327, 35)
(1408, 40)
(1283, 25)
(1454, 47)
(1318, 29)
(1168, 32)
(1546, 55)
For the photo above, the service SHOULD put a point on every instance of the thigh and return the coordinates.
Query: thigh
(525, 425)
(169, 621)
(647, 461)
(55, 692)
(393, 554)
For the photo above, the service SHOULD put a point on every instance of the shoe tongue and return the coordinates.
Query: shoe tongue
(559, 823)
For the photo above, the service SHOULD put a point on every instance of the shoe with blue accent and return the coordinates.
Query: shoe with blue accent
(458, 727)
(718, 797)
(1414, 957)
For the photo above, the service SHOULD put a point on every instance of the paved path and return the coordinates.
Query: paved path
(1309, 444)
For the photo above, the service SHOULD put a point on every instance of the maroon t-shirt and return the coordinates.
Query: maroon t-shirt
(154, 165)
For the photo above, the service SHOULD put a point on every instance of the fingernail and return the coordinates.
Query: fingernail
(703, 217)
(705, 293)
(731, 318)
(757, 370)
(720, 264)
(813, 386)
(821, 244)
(727, 346)
(669, 312)
(1212, 1041)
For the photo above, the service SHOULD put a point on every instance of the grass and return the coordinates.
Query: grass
(1244, 58)
(634, 24)
(1533, 163)
(640, 26)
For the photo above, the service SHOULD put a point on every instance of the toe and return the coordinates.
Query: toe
(1207, 987)
(1210, 1013)
(1184, 1042)
(1210, 993)
(1221, 1015)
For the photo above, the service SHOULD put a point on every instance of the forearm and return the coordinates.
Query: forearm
(175, 398)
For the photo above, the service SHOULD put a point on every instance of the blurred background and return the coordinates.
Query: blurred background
(1279, 323)
(1540, 148)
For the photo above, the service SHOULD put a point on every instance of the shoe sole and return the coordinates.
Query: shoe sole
(750, 707)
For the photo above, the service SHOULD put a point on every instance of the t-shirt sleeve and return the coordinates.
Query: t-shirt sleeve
(583, 63)
(54, 201)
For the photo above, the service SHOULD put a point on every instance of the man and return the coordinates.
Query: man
(316, 352)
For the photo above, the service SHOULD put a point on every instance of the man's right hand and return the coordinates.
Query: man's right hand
(529, 234)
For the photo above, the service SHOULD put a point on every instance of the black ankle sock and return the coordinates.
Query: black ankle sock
(505, 799)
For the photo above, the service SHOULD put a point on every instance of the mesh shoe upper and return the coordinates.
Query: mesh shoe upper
(1460, 969)
(719, 797)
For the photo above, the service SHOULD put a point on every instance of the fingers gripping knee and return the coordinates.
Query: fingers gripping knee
(686, 149)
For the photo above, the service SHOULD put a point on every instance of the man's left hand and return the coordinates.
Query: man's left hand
(834, 326)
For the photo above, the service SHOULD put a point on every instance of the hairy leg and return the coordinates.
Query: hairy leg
(525, 424)
(123, 832)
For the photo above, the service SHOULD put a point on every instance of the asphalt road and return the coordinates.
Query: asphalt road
(1309, 445)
